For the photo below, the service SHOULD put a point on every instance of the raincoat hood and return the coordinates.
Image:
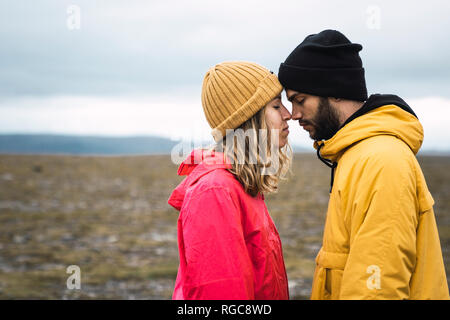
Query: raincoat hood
(197, 164)
(380, 115)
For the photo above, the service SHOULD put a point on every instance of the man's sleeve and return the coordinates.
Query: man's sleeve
(383, 231)
(218, 263)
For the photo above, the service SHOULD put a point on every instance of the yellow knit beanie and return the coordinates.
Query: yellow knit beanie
(233, 92)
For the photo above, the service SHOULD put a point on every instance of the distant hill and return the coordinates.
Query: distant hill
(95, 145)
(66, 144)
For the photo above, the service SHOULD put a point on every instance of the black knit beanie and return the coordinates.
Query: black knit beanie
(326, 64)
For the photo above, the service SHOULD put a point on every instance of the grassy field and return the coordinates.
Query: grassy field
(109, 216)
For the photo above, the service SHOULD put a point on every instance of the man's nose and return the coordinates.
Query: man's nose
(296, 114)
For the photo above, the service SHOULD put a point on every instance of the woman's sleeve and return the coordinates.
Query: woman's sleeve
(218, 265)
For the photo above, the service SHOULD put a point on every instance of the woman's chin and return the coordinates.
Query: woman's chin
(282, 143)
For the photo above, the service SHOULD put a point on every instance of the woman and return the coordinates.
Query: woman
(228, 244)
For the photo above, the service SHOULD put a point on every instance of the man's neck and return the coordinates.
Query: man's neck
(347, 108)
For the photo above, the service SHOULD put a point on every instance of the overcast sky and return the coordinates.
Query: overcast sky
(136, 67)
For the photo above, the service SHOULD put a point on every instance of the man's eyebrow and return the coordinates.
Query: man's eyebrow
(292, 97)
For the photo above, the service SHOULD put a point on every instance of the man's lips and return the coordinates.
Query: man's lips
(304, 124)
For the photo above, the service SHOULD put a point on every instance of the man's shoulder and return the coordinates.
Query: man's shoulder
(381, 150)
(384, 146)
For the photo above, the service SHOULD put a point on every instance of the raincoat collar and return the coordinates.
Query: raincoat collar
(378, 100)
(389, 119)
(196, 165)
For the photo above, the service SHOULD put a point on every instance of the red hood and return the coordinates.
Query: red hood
(196, 165)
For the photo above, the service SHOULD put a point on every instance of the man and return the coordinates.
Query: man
(380, 239)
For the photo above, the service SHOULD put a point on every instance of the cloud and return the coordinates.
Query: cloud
(178, 116)
(138, 69)
(172, 117)
(156, 46)
(433, 113)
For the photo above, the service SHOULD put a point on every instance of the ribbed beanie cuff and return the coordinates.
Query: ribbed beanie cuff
(345, 83)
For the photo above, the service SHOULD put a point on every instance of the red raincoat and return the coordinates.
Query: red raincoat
(228, 244)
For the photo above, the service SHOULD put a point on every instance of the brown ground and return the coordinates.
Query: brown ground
(109, 216)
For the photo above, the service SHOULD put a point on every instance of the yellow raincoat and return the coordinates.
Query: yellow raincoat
(380, 239)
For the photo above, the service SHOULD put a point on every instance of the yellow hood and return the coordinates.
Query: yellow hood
(385, 120)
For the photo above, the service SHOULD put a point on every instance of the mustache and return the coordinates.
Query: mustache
(305, 122)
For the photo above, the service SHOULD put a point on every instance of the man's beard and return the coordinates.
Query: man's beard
(326, 122)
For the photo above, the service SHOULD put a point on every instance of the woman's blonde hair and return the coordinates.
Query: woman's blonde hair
(250, 155)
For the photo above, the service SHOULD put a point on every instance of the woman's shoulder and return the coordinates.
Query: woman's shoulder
(214, 187)
(218, 179)
(222, 180)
